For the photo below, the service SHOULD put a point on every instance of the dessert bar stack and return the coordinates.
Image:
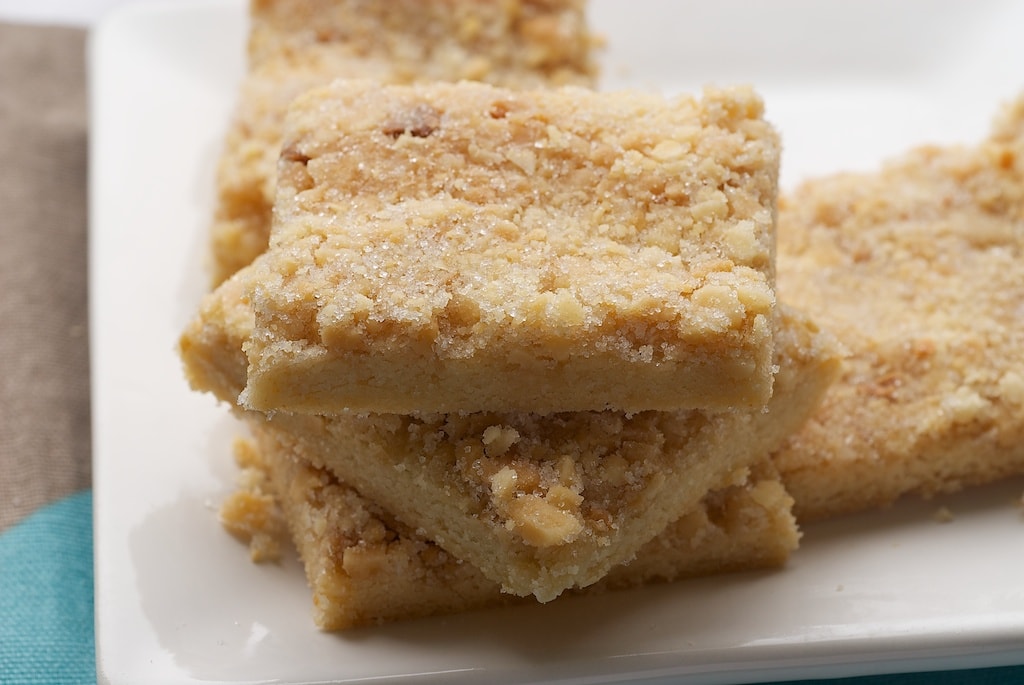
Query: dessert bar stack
(498, 336)
(500, 342)
(364, 564)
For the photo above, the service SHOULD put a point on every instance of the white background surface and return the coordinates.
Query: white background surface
(72, 12)
(178, 601)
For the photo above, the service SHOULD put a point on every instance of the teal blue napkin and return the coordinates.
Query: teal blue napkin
(46, 590)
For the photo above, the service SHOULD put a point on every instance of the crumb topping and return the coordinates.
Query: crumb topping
(528, 473)
(296, 45)
(917, 269)
(559, 222)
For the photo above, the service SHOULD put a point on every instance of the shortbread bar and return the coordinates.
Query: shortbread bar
(365, 567)
(295, 45)
(538, 503)
(919, 269)
(516, 43)
(460, 247)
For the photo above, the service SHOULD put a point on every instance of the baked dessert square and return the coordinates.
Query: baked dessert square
(516, 43)
(537, 503)
(295, 45)
(919, 269)
(365, 567)
(460, 247)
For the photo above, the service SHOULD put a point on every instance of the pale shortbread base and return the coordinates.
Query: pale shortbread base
(459, 247)
(295, 45)
(364, 567)
(919, 270)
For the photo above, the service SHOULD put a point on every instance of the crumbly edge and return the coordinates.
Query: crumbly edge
(251, 513)
(917, 268)
(365, 568)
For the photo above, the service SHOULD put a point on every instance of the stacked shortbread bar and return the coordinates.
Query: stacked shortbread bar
(502, 340)
(542, 501)
(544, 490)
(366, 563)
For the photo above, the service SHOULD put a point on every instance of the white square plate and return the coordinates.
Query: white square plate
(177, 600)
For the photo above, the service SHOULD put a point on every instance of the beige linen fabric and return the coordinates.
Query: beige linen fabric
(44, 355)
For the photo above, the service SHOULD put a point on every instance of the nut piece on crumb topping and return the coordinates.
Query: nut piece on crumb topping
(498, 439)
(541, 519)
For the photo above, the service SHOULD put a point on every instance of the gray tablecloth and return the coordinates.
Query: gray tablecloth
(44, 351)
